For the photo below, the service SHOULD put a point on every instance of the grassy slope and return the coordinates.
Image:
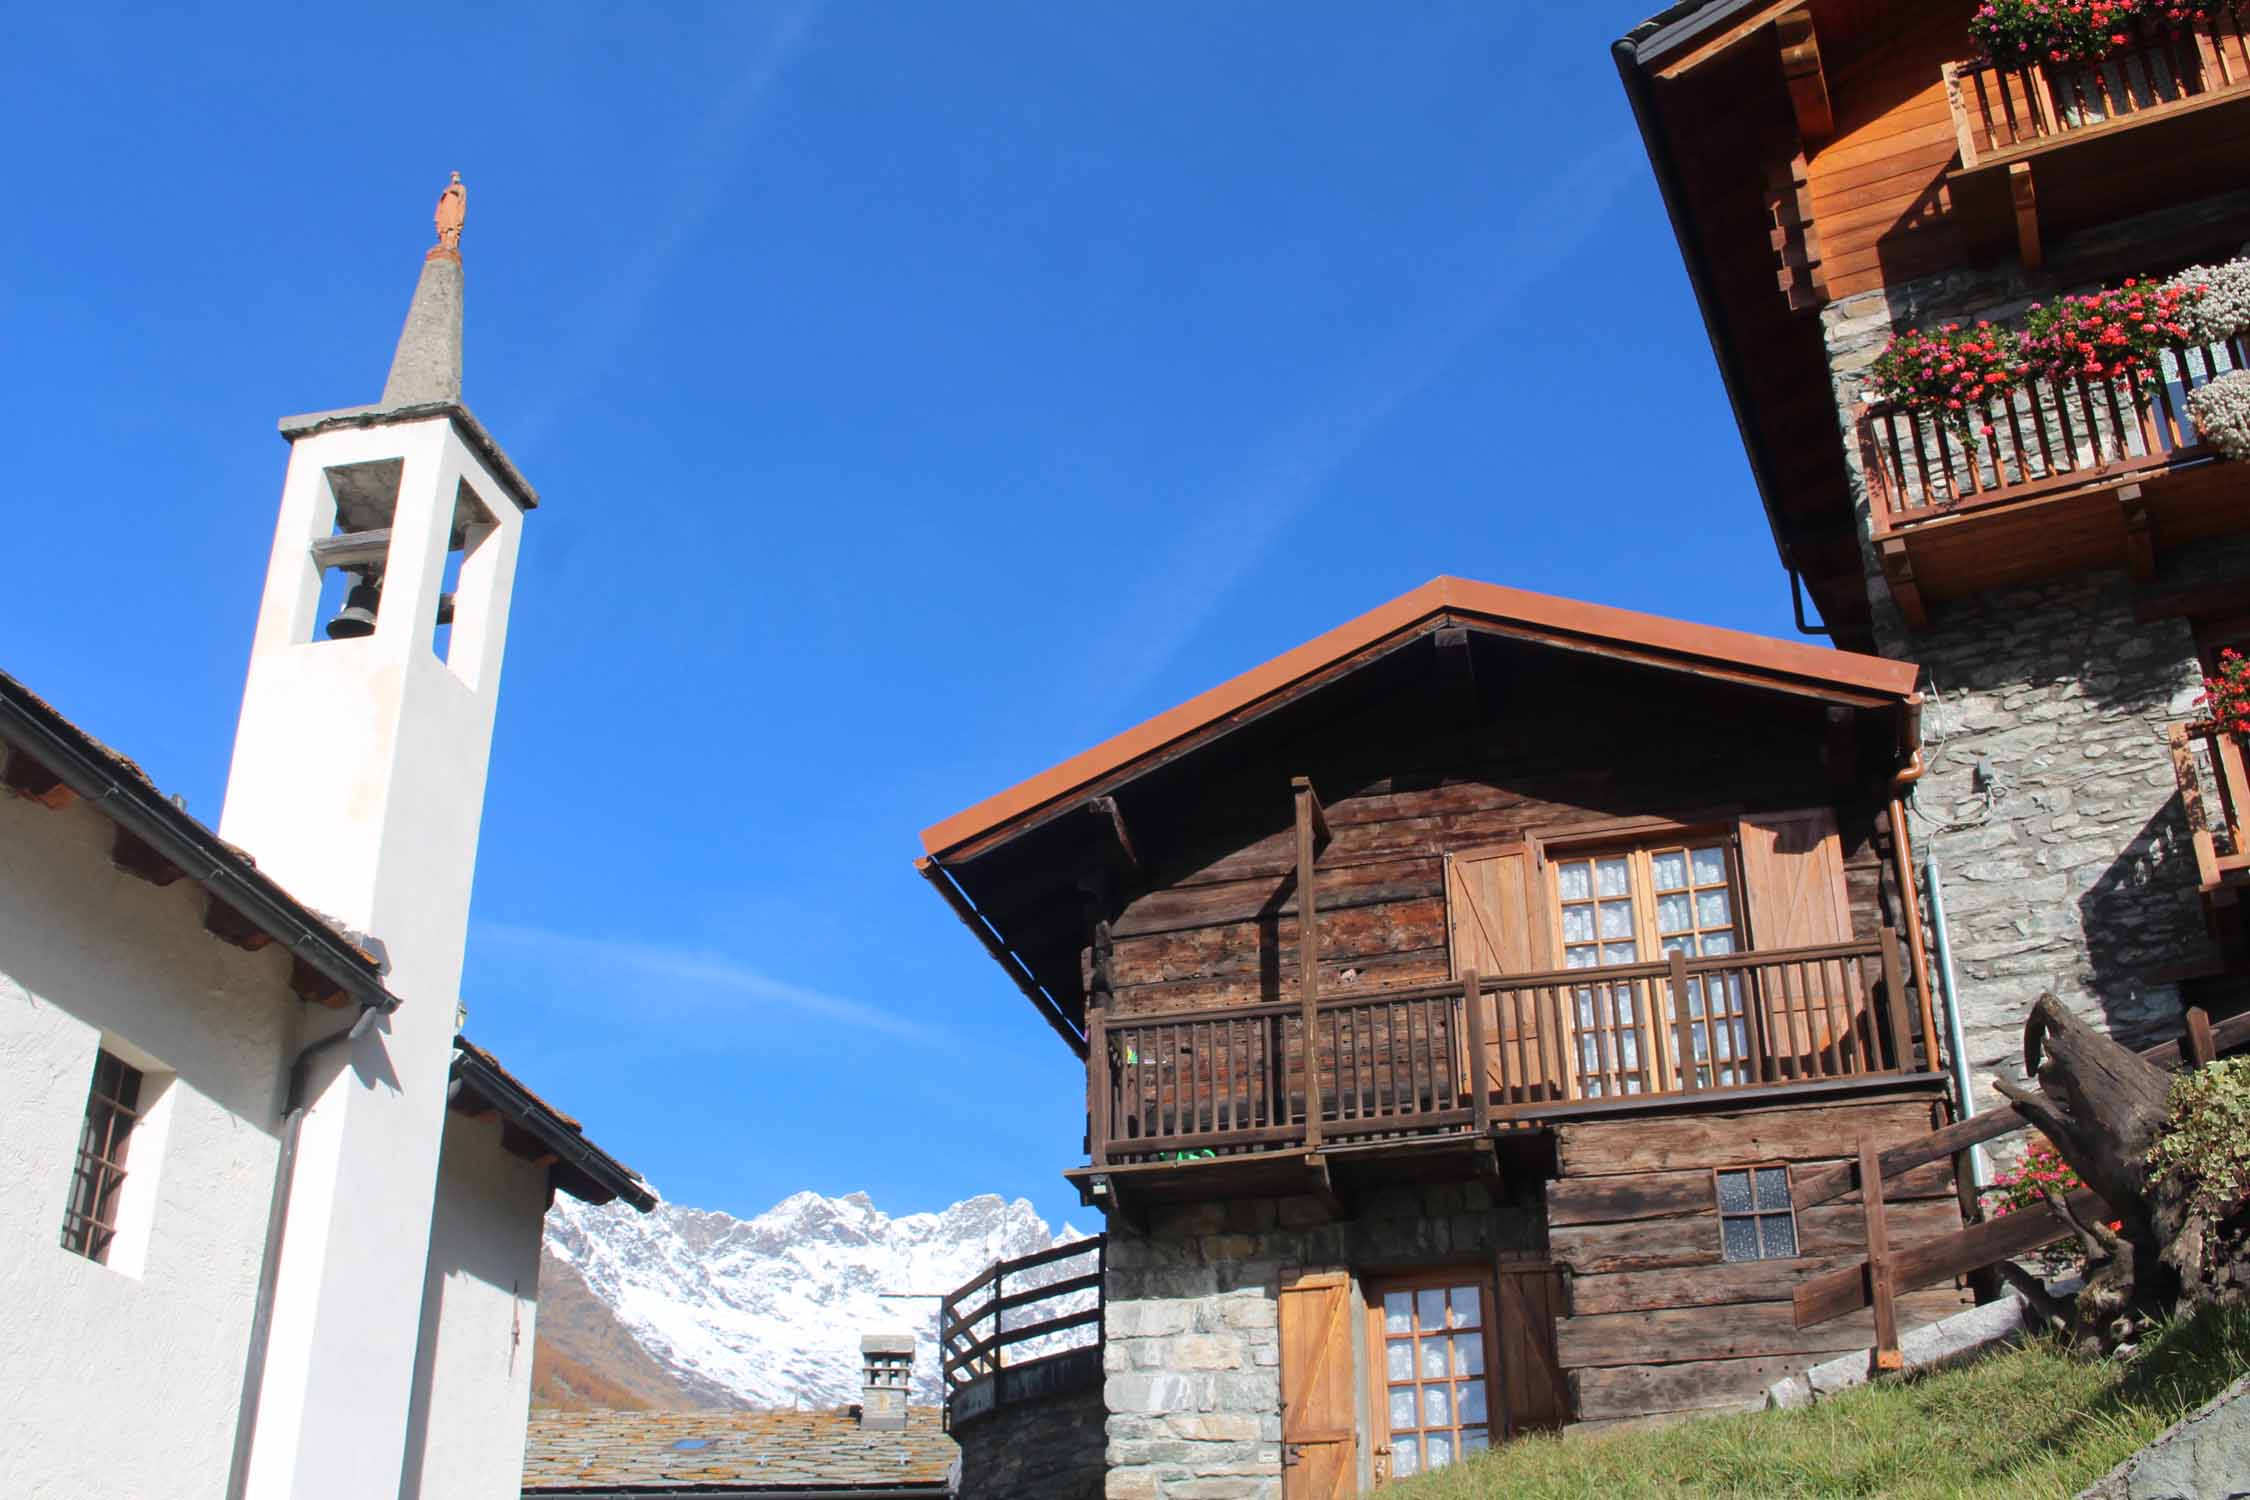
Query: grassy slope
(2032, 1422)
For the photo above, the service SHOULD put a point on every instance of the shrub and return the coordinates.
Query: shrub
(2226, 697)
(2218, 306)
(1953, 373)
(2107, 335)
(2206, 1138)
(2221, 413)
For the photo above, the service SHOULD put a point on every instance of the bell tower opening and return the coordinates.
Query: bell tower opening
(465, 592)
(363, 500)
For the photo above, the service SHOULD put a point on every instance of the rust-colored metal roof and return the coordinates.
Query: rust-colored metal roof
(1566, 622)
(705, 1452)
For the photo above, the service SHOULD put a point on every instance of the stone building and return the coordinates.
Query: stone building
(269, 1224)
(2067, 566)
(1462, 1059)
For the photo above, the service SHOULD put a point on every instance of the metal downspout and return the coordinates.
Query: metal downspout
(1956, 1045)
(294, 1109)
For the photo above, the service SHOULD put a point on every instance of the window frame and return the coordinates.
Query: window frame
(91, 1210)
(1373, 1286)
(1638, 840)
(1756, 1215)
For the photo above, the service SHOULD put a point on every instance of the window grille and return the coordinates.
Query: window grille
(113, 1105)
(1756, 1219)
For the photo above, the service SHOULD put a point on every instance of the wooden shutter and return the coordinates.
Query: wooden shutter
(1497, 927)
(1533, 1390)
(1793, 884)
(1319, 1443)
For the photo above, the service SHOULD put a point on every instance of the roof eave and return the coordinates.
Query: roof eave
(477, 1069)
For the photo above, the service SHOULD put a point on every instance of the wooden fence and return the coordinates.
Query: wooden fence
(1019, 1311)
(2004, 111)
(2047, 434)
(2215, 795)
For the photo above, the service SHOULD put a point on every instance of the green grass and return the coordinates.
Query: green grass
(2031, 1422)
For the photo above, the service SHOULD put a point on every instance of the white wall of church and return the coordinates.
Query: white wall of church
(472, 1374)
(124, 1378)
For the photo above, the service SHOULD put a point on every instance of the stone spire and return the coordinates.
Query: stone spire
(427, 366)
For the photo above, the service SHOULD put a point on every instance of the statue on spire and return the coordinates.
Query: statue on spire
(452, 211)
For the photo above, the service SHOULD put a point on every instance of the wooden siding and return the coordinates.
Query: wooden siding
(1656, 1319)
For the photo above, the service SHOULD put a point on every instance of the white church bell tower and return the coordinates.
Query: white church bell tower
(358, 783)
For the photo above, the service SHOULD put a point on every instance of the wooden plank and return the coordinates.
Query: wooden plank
(314, 987)
(1693, 1240)
(1319, 1430)
(1605, 1393)
(136, 857)
(1654, 1195)
(230, 926)
(1747, 1330)
(1308, 960)
(1881, 1294)
(1600, 1147)
(2023, 195)
(1943, 1258)
(1698, 1286)
(2202, 1049)
(33, 782)
(1712, 46)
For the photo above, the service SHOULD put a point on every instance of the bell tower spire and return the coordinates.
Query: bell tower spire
(358, 782)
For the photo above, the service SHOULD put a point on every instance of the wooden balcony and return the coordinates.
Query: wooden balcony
(2215, 794)
(2073, 474)
(2135, 132)
(1415, 1063)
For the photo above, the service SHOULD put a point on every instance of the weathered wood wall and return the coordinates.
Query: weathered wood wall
(1657, 1320)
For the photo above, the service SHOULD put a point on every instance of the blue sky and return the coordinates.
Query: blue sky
(919, 394)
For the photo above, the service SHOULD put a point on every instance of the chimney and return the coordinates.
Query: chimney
(886, 1373)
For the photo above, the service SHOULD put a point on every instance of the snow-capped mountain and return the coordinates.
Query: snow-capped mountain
(770, 1310)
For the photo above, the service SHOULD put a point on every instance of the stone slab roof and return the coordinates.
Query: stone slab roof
(732, 1452)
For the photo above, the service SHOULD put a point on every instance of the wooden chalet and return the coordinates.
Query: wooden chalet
(1571, 931)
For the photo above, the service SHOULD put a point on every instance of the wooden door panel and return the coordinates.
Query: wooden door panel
(1319, 1436)
(1793, 885)
(1496, 927)
(1533, 1389)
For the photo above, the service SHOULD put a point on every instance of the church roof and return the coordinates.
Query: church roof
(532, 1126)
(770, 1454)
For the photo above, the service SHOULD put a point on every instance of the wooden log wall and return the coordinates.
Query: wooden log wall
(1634, 1221)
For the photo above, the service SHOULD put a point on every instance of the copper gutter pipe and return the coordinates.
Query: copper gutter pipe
(1902, 854)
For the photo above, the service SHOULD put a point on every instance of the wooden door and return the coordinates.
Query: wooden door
(1793, 884)
(1534, 1394)
(1495, 927)
(1319, 1441)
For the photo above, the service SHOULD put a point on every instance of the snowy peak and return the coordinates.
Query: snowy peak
(771, 1309)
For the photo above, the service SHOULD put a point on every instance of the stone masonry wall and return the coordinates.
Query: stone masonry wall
(1193, 1353)
(2049, 800)
(1046, 1449)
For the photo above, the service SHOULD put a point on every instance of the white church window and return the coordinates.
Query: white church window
(114, 1104)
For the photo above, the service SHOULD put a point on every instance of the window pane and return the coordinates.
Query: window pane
(1628, 1049)
(1617, 919)
(1574, 881)
(1712, 909)
(1718, 942)
(1669, 869)
(1440, 1449)
(1674, 914)
(1734, 1193)
(1617, 953)
(1472, 1401)
(1433, 1359)
(1695, 996)
(1740, 1237)
(1609, 876)
(1683, 944)
(1710, 866)
(1621, 1001)
(1589, 1054)
(1402, 1408)
(1579, 958)
(1437, 1405)
(1473, 1440)
(1429, 1307)
(1406, 1456)
(1467, 1305)
(1780, 1236)
(1577, 924)
(1773, 1187)
(1398, 1312)
(1398, 1357)
(1468, 1354)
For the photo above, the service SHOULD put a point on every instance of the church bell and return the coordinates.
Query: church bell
(357, 617)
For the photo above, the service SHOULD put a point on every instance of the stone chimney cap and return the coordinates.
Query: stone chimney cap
(887, 1343)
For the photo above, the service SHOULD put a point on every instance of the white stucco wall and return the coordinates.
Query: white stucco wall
(124, 1379)
(472, 1374)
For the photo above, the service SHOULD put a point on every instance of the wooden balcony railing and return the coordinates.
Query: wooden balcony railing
(2049, 434)
(2215, 794)
(2006, 112)
(1421, 1060)
(1042, 1309)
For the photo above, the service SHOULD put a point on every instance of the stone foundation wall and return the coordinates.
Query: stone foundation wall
(1194, 1354)
(2050, 798)
(1045, 1449)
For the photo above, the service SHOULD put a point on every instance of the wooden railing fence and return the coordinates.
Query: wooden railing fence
(1889, 1271)
(2215, 795)
(1020, 1310)
(2048, 434)
(2001, 111)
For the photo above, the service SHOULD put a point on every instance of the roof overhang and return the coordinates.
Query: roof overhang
(582, 1169)
(473, 432)
(1708, 651)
